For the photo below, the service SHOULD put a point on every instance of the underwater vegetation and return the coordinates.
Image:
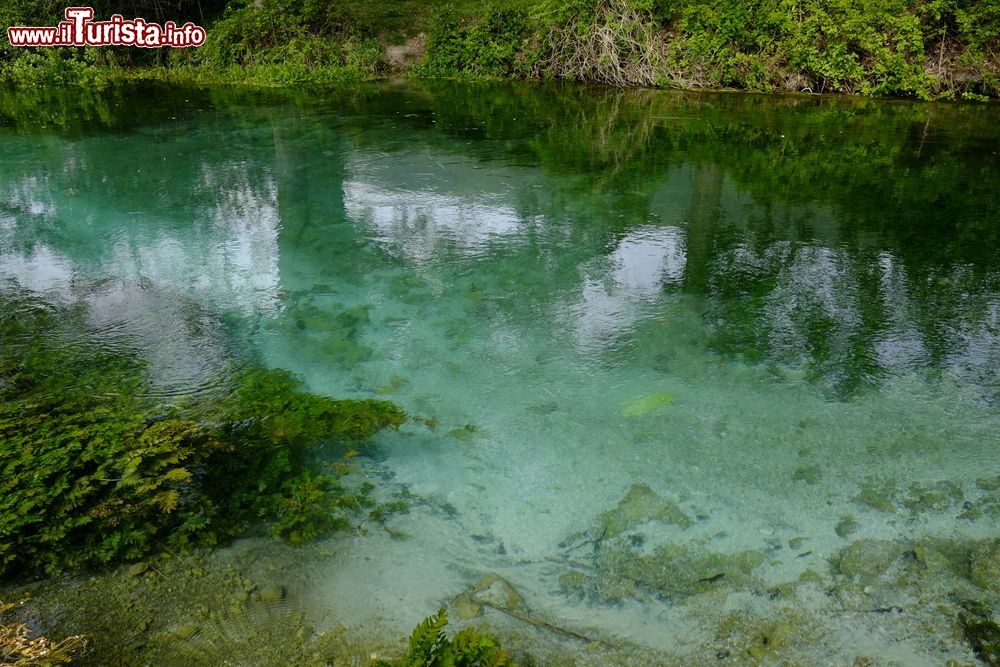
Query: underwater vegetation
(430, 647)
(94, 470)
(19, 649)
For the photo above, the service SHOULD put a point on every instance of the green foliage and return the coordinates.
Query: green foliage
(430, 647)
(886, 47)
(276, 32)
(874, 48)
(493, 46)
(923, 48)
(93, 471)
(310, 505)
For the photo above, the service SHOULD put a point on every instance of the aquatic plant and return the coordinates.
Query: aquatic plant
(19, 649)
(430, 647)
(94, 470)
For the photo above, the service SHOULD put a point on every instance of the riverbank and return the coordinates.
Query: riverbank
(929, 50)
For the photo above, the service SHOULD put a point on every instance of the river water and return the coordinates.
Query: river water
(705, 378)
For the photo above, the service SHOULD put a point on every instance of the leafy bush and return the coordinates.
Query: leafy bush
(923, 48)
(886, 47)
(493, 46)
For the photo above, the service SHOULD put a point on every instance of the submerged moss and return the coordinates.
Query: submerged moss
(95, 470)
(877, 495)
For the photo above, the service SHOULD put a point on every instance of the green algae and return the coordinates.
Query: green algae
(983, 634)
(864, 561)
(810, 474)
(768, 640)
(847, 526)
(643, 405)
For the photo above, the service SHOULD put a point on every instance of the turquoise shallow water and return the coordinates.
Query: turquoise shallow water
(753, 325)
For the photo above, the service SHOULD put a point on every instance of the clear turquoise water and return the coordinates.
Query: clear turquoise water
(758, 307)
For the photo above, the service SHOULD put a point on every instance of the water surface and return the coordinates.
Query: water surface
(769, 327)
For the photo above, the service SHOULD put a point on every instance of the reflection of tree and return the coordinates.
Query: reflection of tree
(706, 195)
(309, 171)
(772, 182)
(170, 203)
(903, 200)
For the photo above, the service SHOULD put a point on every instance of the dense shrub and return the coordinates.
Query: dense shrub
(923, 48)
(493, 46)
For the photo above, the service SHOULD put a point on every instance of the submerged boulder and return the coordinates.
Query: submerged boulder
(864, 561)
(639, 505)
(671, 571)
(984, 565)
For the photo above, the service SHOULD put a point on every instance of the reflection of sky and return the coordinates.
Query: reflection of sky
(40, 269)
(226, 253)
(58, 223)
(616, 287)
(147, 268)
(813, 277)
(900, 344)
(418, 203)
(232, 260)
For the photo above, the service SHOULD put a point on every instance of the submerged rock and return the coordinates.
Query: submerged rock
(989, 483)
(766, 640)
(672, 570)
(272, 593)
(465, 433)
(939, 496)
(878, 497)
(984, 637)
(810, 474)
(466, 606)
(497, 592)
(846, 526)
(877, 575)
(640, 504)
(137, 568)
(573, 581)
(609, 587)
(984, 565)
(866, 560)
